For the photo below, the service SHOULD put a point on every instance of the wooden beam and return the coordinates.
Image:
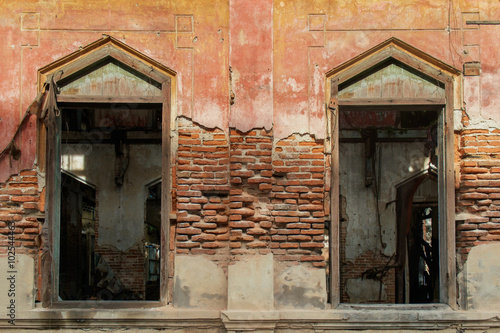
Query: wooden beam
(165, 195)
(109, 99)
(391, 101)
(334, 200)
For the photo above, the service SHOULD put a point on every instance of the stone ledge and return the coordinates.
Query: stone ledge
(266, 321)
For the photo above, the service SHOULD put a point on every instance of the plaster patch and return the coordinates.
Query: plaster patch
(20, 286)
(293, 85)
(298, 287)
(199, 283)
(483, 277)
(250, 284)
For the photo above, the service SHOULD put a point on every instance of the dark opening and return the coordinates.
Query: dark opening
(110, 202)
(381, 261)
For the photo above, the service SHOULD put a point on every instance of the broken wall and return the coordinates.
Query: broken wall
(250, 164)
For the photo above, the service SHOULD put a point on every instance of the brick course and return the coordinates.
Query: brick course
(479, 190)
(249, 193)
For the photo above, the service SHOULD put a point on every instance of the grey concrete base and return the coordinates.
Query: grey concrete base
(244, 321)
(199, 283)
(483, 277)
(250, 284)
(299, 287)
(17, 286)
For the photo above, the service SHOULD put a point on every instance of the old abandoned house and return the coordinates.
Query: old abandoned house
(265, 166)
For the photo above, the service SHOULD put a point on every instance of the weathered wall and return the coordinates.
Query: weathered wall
(251, 179)
(369, 241)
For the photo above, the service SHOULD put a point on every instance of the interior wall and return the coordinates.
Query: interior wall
(364, 244)
(121, 209)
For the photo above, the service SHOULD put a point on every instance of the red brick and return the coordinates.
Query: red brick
(310, 207)
(265, 187)
(311, 156)
(203, 225)
(222, 237)
(216, 219)
(259, 180)
(474, 233)
(280, 219)
(298, 225)
(294, 189)
(319, 264)
(203, 237)
(489, 150)
(488, 226)
(187, 244)
(188, 206)
(11, 218)
(214, 142)
(314, 182)
(287, 195)
(490, 237)
(241, 224)
(245, 238)
(466, 226)
(289, 245)
(30, 205)
(203, 251)
(242, 173)
(258, 140)
(299, 238)
(312, 232)
(473, 196)
(24, 199)
(312, 258)
(256, 231)
(188, 231)
(205, 149)
(256, 244)
(311, 244)
(242, 211)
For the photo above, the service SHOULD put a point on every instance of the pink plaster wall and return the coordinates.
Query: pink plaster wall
(251, 60)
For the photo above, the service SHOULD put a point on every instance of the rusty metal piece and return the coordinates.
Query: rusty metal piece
(333, 104)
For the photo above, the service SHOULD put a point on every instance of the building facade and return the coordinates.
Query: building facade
(265, 166)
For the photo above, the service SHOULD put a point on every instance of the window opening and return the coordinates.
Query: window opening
(384, 259)
(110, 231)
(152, 233)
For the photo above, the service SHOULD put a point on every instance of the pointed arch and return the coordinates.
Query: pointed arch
(111, 76)
(347, 90)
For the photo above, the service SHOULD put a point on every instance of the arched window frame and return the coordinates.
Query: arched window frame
(48, 152)
(395, 49)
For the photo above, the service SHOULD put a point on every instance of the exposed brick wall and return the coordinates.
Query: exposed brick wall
(128, 266)
(247, 194)
(19, 206)
(19, 203)
(298, 198)
(202, 190)
(479, 191)
(251, 179)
